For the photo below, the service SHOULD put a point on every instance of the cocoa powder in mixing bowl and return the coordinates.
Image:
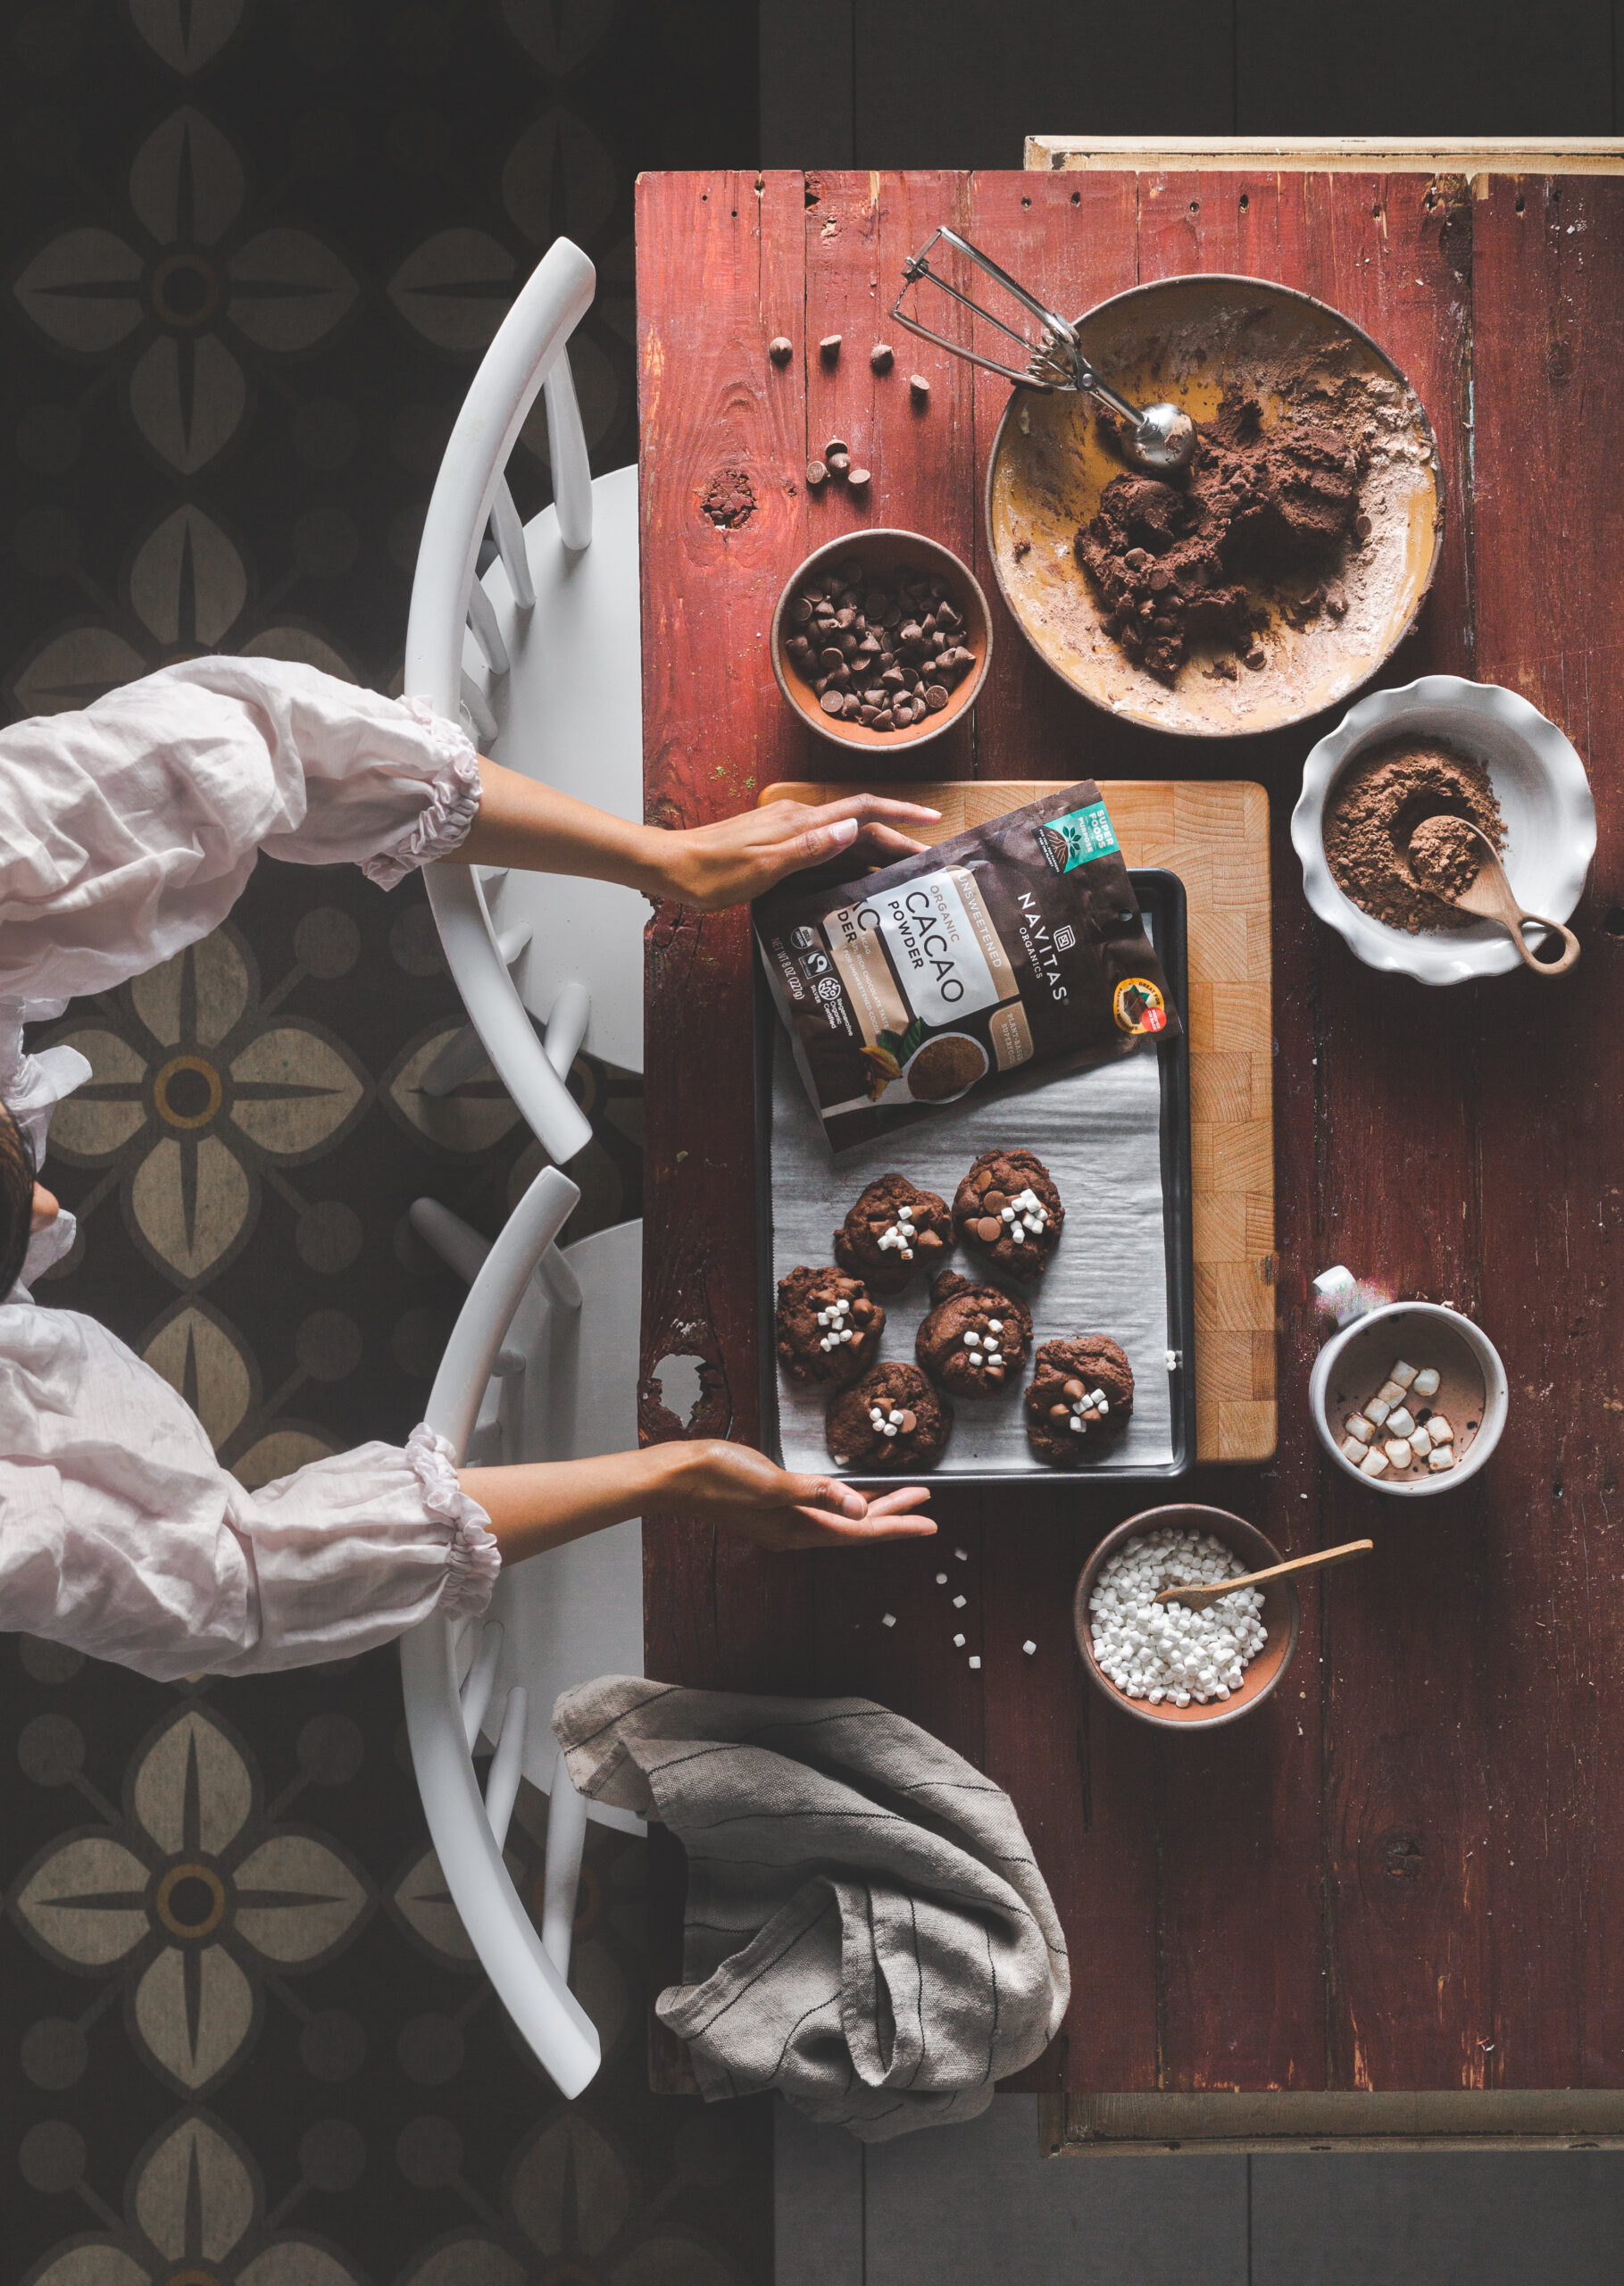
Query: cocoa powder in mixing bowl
(1374, 808)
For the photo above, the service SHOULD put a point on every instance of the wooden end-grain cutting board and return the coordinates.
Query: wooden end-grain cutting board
(1215, 836)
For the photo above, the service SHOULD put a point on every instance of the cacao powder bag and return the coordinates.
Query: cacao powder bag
(1018, 943)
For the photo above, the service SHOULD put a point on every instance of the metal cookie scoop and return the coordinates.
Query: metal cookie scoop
(1160, 438)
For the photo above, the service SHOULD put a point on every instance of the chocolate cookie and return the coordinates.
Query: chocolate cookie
(893, 1420)
(1081, 1397)
(893, 1230)
(1008, 1211)
(829, 1328)
(975, 1340)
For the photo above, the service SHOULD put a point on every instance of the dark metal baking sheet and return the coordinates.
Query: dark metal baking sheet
(1161, 900)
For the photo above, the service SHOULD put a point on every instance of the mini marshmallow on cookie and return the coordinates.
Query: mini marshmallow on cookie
(899, 1237)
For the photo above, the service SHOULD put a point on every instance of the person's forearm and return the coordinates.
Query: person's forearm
(542, 1504)
(523, 824)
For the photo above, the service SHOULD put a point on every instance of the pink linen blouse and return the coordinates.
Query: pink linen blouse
(127, 831)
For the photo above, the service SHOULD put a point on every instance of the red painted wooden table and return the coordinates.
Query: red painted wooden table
(1407, 1872)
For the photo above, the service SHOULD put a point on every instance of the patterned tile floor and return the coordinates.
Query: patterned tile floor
(256, 247)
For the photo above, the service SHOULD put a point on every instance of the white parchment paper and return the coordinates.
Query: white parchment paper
(1099, 1134)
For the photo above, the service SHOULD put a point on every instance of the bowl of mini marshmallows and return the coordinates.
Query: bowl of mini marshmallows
(1164, 1662)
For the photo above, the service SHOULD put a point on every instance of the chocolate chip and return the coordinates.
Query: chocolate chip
(838, 463)
(829, 348)
(990, 1229)
(919, 388)
(1073, 1390)
(858, 478)
(995, 1201)
(882, 356)
(908, 1423)
(935, 698)
(1060, 1413)
(815, 473)
(832, 703)
(780, 349)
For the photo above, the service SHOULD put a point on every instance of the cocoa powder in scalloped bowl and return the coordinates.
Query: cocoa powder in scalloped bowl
(1373, 809)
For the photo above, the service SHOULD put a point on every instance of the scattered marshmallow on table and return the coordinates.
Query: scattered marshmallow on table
(1167, 1651)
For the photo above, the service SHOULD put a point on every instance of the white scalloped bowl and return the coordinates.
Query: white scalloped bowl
(1544, 796)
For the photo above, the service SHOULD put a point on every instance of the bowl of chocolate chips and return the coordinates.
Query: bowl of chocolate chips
(881, 639)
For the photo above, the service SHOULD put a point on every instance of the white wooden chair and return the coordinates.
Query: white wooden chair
(542, 659)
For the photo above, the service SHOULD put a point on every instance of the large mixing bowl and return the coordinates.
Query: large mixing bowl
(1189, 340)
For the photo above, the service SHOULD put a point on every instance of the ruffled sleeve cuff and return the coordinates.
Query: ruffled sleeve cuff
(473, 1558)
(442, 825)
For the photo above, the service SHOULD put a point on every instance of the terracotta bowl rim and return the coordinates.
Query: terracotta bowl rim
(1201, 1516)
(934, 725)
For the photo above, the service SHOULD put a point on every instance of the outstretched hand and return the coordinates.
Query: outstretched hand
(741, 1490)
(712, 867)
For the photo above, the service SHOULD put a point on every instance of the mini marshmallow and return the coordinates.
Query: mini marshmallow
(887, 1619)
(1401, 1422)
(992, 1357)
(1425, 1382)
(1440, 1458)
(1352, 1449)
(941, 1578)
(1439, 1430)
(994, 1325)
(1076, 1424)
(904, 1214)
(1401, 1373)
(974, 1661)
(889, 1430)
(1374, 1464)
(1397, 1450)
(1420, 1443)
(1028, 1647)
(1376, 1412)
(973, 1341)
(963, 1554)
(958, 1602)
(1391, 1392)
(1006, 1215)
(1358, 1428)
(1018, 1234)
(958, 1642)
(895, 1419)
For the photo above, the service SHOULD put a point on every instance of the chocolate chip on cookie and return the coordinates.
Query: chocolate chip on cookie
(1080, 1397)
(1008, 1210)
(892, 1421)
(893, 1230)
(974, 1342)
(829, 1327)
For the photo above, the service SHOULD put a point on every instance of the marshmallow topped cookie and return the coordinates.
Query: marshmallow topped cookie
(892, 1231)
(1008, 1211)
(829, 1327)
(975, 1340)
(1081, 1397)
(891, 1420)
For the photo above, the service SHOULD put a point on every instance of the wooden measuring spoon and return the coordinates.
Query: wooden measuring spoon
(1197, 1599)
(1490, 898)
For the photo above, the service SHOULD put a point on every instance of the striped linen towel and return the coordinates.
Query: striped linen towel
(867, 1928)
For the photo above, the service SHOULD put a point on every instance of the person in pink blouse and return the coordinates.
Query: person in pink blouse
(130, 830)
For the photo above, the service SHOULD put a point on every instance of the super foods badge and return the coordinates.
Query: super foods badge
(1078, 837)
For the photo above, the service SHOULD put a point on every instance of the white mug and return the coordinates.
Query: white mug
(1495, 1392)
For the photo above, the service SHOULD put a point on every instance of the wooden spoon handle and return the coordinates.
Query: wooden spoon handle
(1569, 943)
(1209, 1592)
